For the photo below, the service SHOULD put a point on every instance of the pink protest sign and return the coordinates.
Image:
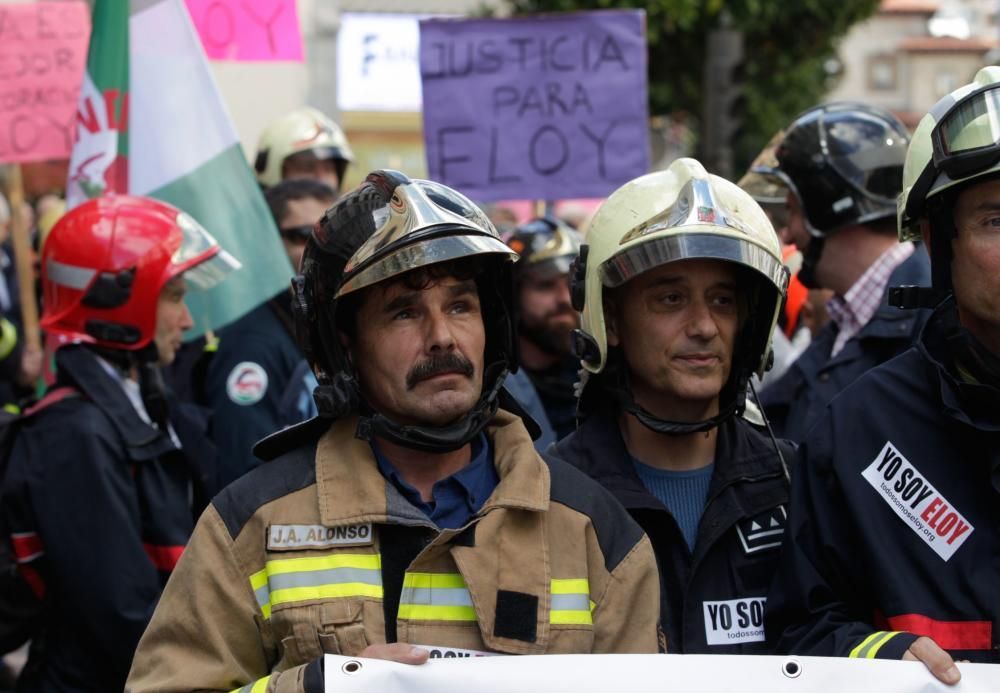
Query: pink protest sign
(43, 53)
(241, 30)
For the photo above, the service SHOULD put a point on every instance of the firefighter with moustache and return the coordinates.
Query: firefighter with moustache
(546, 318)
(892, 535)
(843, 164)
(680, 284)
(108, 475)
(413, 513)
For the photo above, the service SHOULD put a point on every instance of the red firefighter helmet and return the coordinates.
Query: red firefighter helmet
(105, 262)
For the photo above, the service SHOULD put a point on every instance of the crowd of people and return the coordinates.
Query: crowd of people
(543, 439)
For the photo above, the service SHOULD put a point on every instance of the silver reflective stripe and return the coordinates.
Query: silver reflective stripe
(571, 602)
(437, 596)
(263, 595)
(71, 277)
(317, 578)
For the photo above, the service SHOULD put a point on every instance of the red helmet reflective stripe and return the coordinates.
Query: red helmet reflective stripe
(105, 263)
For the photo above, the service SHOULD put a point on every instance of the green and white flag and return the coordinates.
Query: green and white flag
(155, 124)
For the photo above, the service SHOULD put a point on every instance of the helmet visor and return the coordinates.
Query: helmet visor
(200, 258)
(427, 252)
(966, 140)
(661, 251)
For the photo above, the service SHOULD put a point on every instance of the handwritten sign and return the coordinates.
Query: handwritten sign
(43, 52)
(377, 67)
(542, 108)
(240, 30)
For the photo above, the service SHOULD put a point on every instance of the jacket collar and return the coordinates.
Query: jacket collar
(597, 447)
(78, 367)
(972, 404)
(352, 490)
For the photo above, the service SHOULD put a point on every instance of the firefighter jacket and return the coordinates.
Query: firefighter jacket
(796, 400)
(257, 382)
(316, 552)
(893, 529)
(99, 504)
(712, 599)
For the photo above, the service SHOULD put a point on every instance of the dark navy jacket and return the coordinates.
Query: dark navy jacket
(257, 383)
(101, 505)
(795, 401)
(894, 529)
(712, 600)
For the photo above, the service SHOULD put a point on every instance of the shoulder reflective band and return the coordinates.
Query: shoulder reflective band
(258, 686)
(8, 337)
(445, 597)
(869, 647)
(339, 575)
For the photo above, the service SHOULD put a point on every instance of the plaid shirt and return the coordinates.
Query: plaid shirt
(853, 311)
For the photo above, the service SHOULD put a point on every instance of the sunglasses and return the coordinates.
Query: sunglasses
(297, 234)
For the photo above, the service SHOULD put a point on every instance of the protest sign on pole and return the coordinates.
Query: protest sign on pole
(545, 107)
(20, 236)
(259, 31)
(452, 670)
(43, 50)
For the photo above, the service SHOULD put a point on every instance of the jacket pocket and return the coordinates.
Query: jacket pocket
(342, 629)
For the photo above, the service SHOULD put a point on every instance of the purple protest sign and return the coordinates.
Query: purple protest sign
(546, 107)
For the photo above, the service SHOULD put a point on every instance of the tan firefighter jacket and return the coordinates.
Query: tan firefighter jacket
(308, 554)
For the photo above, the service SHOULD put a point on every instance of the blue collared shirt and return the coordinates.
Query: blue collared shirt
(457, 498)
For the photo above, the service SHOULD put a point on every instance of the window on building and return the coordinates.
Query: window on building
(882, 72)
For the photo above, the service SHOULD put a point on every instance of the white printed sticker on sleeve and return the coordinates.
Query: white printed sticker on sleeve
(734, 621)
(917, 502)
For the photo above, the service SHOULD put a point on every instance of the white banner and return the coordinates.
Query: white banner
(640, 673)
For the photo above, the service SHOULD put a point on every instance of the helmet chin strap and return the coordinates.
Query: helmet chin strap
(342, 397)
(810, 261)
(626, 402)
(151, 385)
(439, 439)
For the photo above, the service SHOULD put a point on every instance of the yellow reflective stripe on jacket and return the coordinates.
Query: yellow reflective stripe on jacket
(339, 575)
(445, 597)
(8, 337)
(258, 686)
(869, 647)
(571, 604)
(435, 597)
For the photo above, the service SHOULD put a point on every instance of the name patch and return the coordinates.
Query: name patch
(917, 502)
(289, 537)
(734, 621)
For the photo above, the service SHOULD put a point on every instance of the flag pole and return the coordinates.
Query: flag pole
(23, 259)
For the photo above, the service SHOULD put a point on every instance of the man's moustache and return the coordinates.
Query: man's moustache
(448, 363)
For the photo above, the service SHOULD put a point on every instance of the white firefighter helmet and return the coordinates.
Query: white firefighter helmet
(303, 131)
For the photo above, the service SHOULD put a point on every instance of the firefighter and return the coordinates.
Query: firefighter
(892, 531)
(545, 316)
(105, 483)
(303, 144)
(843, 165)
(257, 380)
(413, 513)
(681, 288)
